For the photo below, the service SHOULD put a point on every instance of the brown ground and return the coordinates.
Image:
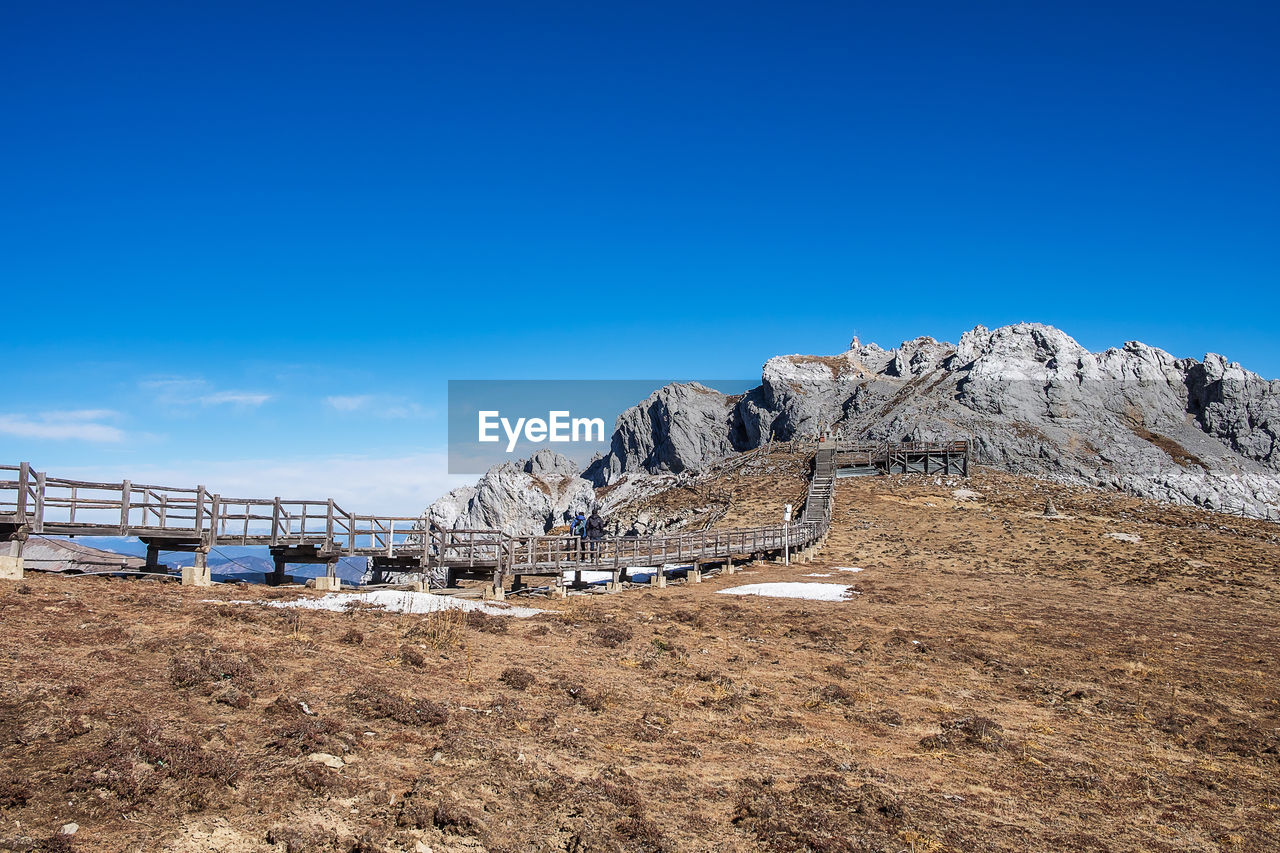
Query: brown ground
(1003, 682)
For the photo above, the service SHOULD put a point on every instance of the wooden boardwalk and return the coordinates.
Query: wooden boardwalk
(195, 520)
(905, 457)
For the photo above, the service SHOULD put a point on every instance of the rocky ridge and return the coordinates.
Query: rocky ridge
(1133, 419)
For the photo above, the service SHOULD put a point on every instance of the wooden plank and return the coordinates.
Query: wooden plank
(37, 525)
(125, 489)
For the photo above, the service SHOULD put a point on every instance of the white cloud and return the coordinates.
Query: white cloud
(401, 485)
(378, 406)
(349, 404)
(235, 398)
(187, 391)
(74, 425)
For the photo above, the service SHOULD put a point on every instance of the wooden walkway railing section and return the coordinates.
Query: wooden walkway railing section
(906, 457)
(196, 520)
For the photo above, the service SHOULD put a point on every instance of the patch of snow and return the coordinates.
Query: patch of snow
(403, 602)
(644, 574)
(848, 569)
(592, 576)
(1125, 537)
(810, 591)
(966, 495)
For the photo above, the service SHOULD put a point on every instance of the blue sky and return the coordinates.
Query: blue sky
(249, 243)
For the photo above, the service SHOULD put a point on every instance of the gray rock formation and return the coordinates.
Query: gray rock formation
(1034, 401)
(680, 427)
(521, 498)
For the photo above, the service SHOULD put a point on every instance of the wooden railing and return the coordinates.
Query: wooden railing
(33, 503)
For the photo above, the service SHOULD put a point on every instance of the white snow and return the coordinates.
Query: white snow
(644, 574)
(848, 569)
(966, 495)
(403, 602)
(794, 589)
(1126, 537)
(592, 576)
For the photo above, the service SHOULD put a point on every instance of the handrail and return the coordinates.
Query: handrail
(55, 505)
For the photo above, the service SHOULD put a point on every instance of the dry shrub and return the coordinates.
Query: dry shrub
(425, 806)
(689, 617)
(303, 734)
(294, 839)
(233, 697)
(833, 694)
(454, 817)
(622, 793)
(478, 620)
(377, 703)
(316, 777)
(889, 717)
(213, 667)
(517, 678)
(642, 831)
(234, 612)
(821, 813)
(352, 638)
(412, 657)
(967, 733)
(651, 726)
(724, 694)
(589, 699)
(612, 636)
(441, 629)
(899, 638)
(135, 762)
(14, 793)
(837, 670)
(56, 843)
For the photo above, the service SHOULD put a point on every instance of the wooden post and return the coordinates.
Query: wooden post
(328, 527)
(24, 474)
(215, 506)
(37, 525)
(199, 522)
(125, 488)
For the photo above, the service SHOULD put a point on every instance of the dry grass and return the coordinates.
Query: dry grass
(1002, 683)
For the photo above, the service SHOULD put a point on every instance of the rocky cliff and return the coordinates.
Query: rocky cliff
(526, 497)
(1033, 399)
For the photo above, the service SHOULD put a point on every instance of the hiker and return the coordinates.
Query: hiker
(577, 527)
(594, 531)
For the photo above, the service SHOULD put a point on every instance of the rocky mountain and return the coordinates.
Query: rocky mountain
(526, 497)
(679, 427)
(1033, 400)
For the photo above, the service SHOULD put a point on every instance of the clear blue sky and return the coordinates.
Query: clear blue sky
(218, 219)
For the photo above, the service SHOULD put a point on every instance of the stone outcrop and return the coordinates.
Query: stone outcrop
(1033, 400)
(525, 497)
(680, 427)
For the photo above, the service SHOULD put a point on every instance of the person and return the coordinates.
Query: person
(594, 529)
(578, 525)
